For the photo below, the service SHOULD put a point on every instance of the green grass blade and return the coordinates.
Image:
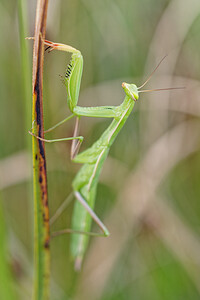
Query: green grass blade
(25, 66)
(6, 280)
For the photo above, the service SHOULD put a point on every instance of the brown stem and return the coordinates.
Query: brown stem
(41, 209)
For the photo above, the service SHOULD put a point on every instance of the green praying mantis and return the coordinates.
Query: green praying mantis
(85, 182)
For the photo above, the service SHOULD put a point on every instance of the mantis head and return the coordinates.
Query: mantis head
(131, 90)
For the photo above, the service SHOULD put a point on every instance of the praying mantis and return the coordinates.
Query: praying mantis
(85, 182)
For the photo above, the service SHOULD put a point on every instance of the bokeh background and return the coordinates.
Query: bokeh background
(149, 191)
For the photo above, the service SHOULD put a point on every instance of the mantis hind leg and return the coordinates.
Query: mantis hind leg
(61, 208)
(92, 214)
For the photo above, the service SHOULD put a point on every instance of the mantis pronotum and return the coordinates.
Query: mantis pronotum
(86, 180)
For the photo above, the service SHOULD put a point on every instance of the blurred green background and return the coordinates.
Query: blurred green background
(149, 191)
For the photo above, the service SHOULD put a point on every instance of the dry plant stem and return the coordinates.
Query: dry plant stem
(41, 209)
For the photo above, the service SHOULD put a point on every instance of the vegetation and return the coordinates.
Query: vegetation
(148, 196)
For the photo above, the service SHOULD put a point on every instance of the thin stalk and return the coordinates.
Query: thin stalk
(26, 97)
(41, 209)
(25, 66)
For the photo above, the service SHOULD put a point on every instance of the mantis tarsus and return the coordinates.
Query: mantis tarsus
(86, 180)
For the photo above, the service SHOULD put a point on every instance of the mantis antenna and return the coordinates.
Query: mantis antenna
(152, 73)
(164, 89)
(156, 90)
